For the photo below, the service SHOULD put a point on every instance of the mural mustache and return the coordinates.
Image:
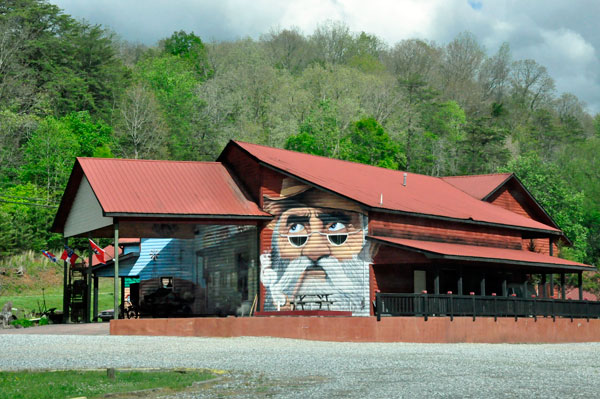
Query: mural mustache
(285, 279)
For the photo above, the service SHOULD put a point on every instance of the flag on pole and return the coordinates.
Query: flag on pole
(100, 254)
(69, 256)
(50, 256)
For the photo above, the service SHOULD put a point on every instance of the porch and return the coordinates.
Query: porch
(450, 305)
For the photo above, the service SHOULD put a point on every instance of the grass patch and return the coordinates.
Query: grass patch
(40, 279)
(93, 383)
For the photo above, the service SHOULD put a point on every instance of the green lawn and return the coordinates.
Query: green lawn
(30, 300)
(93, 384)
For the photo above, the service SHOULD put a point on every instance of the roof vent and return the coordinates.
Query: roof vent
(404, 182)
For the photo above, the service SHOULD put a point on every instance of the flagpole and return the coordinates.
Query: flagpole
(116, 294)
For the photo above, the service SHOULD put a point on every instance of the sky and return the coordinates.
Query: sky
(563, 36)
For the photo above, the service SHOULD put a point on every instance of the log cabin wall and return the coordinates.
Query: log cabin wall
(410, 227)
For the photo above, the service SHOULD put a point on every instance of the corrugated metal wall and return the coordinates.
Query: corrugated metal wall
(314, 248)
(226, 258)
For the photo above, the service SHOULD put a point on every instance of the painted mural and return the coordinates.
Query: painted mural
(318, 251)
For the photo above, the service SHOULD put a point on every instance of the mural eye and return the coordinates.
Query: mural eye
(337, 226)
(337, 239)
(296, 228)
(297, 241)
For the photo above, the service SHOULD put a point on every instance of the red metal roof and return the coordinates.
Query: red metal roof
(477, 253)
(383, 188)
(478, 186)
(141, 187)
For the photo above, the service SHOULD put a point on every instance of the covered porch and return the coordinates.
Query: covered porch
(445, 279)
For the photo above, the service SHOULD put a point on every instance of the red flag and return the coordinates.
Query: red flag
(100, 254)
(69, 255)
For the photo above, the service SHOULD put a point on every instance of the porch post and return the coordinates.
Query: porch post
(88, 282)
(436, 281)
(116, 291)
(551, 285)
(66, 294)
(525, 293)
(580, 285)
(460, 281)
(544, 286)
(95, 311)
(504, 285)
(562, 286)
(482, 285)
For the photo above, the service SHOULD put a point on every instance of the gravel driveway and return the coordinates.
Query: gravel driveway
(284, 368)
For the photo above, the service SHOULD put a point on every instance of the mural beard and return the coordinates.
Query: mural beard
(344, 281)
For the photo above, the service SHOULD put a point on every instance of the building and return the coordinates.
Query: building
(281, 231)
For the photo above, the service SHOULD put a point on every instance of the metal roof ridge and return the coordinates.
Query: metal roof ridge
(148, 160)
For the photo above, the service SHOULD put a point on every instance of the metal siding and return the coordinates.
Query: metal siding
(220, 246)
(383, 188)
(124, 269)
(350, 280)
(86, 213)
(166, 187)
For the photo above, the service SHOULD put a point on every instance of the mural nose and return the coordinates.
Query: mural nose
(316, 247)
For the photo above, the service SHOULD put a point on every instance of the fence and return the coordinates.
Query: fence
(427, 305)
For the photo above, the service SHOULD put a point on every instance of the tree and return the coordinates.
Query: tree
(49, 156)
(288, 49)
(320, 133)
(174, 83)
(25, 220)
(190, 47)
(141, 130)
(531, 84)
(368, 143)
(483, 147)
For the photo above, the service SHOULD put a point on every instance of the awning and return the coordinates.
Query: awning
(473, 253)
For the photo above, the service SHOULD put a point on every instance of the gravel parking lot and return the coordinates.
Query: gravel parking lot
(283, 368)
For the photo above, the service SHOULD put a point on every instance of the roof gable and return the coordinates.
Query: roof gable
(491, 187)
(139, 188)
(384, 189)
(478, 186)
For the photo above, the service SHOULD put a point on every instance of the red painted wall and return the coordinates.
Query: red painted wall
(368, 329)
(402, 226)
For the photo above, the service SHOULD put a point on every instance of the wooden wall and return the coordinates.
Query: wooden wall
(410, 227)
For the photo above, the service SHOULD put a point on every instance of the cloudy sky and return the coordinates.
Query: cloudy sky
(562, 35)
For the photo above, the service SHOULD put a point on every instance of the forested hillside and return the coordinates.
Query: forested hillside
(68, 89)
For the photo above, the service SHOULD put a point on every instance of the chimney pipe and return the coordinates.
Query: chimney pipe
(404, 183)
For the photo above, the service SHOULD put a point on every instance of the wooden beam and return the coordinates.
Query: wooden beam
(562, 286)
(460, 281)
(95, 311)
(116, 262)
(544, 286)
(580, 285)
(66, 288)
(482, 285)
(436, 280)
(551, 282)
(88, 283)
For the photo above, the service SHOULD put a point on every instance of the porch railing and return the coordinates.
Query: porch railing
(449, 305)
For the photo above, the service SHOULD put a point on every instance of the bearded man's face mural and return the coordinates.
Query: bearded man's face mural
(318, 247)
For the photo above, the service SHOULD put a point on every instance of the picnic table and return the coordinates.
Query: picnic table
(307, 299)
